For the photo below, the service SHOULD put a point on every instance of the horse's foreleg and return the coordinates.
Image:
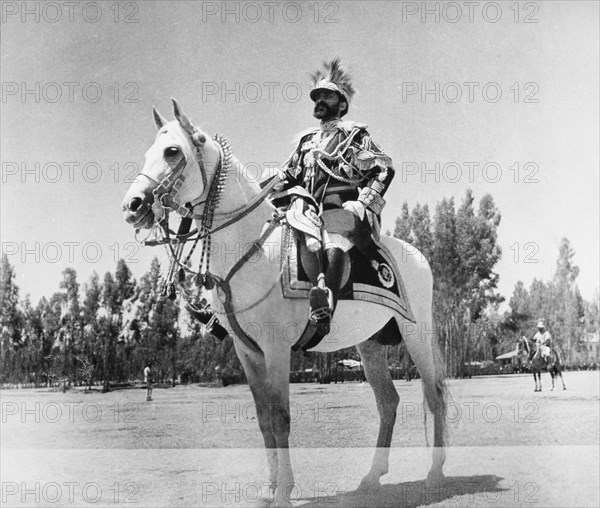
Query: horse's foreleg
(377, 372)
(278, 393)
(256, 374)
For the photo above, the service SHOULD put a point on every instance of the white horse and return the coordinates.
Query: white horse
(180, 173)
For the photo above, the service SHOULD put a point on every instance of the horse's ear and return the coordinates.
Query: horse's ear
(159, 120)
(182, 118)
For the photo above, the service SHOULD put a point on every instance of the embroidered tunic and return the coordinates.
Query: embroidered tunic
(335, 162)
(543, 338)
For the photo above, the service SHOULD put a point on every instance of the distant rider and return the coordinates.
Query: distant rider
(543, 339)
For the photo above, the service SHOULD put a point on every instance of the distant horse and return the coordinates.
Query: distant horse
(187, 172)
(538, 363)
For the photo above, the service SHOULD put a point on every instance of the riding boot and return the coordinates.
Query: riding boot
(335, 272)
(319, 297)
(323, 297)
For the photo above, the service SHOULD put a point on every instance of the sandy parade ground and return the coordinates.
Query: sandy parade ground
(201, 446)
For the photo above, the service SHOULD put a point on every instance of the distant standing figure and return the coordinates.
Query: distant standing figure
(148, 381)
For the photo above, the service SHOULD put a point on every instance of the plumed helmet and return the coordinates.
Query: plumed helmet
(332, 76)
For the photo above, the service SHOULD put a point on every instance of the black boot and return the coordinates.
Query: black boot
(323, 297)
(335, 271)
(321, 306)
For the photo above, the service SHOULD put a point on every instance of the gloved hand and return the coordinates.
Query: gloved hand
(278, 186)
(356, 207)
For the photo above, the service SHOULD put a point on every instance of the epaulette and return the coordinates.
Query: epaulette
(349, 125)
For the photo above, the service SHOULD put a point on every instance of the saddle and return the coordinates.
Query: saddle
(375, 278)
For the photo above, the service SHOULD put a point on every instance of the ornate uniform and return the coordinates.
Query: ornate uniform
(334, 183)
(337, 163)
(543, 339)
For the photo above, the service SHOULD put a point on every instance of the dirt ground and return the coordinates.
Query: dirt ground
(201, 446)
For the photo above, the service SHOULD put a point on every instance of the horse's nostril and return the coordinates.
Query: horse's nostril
(135, 204)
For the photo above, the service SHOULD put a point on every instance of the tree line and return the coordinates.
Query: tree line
(109, 329)
(461, 244)
(106, 333)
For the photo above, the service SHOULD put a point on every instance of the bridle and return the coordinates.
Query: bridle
(165, 202)
(171, 184)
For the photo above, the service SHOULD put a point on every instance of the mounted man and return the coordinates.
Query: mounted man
(543, 339)
(334, 183)
(185, 165)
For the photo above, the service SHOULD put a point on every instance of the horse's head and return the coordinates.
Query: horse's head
(525, 347)
(519, 346)
(176, 170)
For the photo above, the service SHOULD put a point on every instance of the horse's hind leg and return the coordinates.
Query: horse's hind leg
(435, 394)
(562, 380)
(377, 372)
(420, 343)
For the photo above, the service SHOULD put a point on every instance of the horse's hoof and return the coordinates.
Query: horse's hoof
(281, 497)
(564, 387)
(368, 486)
(434, 479)
(282, 503)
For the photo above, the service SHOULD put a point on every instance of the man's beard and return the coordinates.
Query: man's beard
(324, 111)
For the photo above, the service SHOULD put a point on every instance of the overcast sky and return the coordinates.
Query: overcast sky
(507, 96)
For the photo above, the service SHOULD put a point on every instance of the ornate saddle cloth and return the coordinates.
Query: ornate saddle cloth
(377, 280)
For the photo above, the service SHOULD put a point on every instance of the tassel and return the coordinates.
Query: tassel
(181, 275)
(199, 280)
(170, 291)
(209, 281)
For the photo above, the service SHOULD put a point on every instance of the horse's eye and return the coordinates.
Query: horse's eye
(171, 151)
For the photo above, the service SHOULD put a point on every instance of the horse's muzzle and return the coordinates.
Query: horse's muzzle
(137, 211)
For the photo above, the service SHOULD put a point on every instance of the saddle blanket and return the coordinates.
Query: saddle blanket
(378, 280)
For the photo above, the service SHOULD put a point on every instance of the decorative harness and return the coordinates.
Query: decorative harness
(164, 203)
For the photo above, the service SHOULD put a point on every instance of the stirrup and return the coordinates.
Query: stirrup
(320, 314)
(320, 305)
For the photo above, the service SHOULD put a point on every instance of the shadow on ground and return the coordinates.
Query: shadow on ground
(409, 494)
